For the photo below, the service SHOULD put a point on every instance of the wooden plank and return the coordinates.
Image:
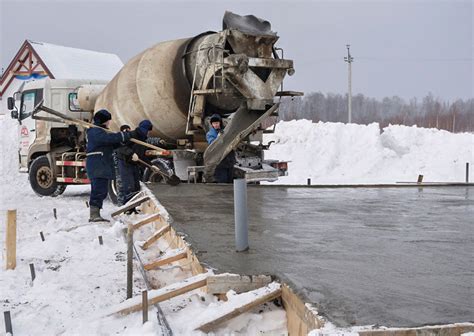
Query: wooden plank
(174, 255)
(146, 220)
(222, 283)
(455, 329)
(162, 294)
(157, 235)
(300, 316)
(130, 206)
(231, 309)
(11, 239)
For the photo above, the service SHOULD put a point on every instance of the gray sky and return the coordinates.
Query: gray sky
(404, 48)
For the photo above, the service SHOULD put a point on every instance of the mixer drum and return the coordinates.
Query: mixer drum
(152, 85)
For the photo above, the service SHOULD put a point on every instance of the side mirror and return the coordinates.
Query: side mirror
(10, 103)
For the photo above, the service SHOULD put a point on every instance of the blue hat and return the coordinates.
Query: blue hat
(215, 117)
(101, 117)
(145, 125)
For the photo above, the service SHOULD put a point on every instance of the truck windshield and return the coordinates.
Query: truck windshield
(29, 100)
(27, 104)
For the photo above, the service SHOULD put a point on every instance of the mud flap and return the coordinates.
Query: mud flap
(242, 123)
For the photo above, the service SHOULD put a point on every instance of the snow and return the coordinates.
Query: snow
(336, 153)
(73, 63)
(234, 302)
(79, 281)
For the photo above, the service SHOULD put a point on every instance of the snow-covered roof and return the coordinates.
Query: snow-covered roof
(73, 63)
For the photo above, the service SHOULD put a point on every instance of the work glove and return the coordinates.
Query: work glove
(135, 157)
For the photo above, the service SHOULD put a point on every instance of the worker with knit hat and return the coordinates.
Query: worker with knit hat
(129, 170)
(99, 162)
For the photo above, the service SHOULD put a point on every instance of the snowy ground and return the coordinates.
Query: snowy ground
(77, 280)
(336, 153)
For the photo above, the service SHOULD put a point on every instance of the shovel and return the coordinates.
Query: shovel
(171, 180)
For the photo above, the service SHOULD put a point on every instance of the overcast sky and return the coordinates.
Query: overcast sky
(404, 48)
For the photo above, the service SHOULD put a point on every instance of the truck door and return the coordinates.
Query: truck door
(27, 134)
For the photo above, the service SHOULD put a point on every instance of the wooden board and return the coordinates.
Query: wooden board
(222, 283)
(301, 319)
(456, 329)
(157, 235)
(130, 206)
(225, 314)
(147, 220)
(172, 256)
(162, 294)
(11, 239)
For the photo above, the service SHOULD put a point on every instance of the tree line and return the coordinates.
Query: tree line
(429, 112)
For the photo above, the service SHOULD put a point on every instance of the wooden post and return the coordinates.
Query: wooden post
(145, 306)
(101, 242)
(420, 179)
(87, 204)
(11, 239)
(129, 260)
(309, 181)
(8, 322)
(41, 235)
(55, 214)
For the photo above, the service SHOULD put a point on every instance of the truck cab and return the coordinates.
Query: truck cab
(43, 143)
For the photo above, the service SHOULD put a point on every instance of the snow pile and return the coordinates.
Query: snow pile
(9, 145)
(336, 153)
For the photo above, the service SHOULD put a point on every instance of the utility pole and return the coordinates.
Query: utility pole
(349, 59)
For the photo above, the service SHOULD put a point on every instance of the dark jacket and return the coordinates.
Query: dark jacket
(126, 151)
(100, 146)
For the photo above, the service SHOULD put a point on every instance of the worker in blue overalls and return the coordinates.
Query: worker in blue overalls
(130, 171)
(224, 172)
(99, 163)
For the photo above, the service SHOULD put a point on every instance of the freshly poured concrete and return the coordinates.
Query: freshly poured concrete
(388, 256)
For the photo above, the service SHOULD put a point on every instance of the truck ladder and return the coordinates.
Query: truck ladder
(197, 97)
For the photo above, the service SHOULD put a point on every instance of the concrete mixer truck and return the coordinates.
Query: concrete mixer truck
(237, 73)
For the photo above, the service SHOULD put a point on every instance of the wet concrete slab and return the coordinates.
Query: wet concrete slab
(397, 257)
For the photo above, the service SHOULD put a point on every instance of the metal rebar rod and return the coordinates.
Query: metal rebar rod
(145, 305)
(32, 271)
(467, 172)
(8, 322)
(129, 261)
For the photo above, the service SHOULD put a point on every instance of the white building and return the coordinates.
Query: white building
(38, 60)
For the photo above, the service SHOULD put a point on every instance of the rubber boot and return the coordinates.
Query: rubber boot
(95, 215)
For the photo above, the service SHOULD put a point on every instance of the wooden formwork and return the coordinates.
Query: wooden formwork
(301, 318)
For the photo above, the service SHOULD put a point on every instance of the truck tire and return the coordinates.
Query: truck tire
(113, 191)
(150, 176)
(42, 178)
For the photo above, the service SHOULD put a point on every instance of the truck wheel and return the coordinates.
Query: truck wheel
(113, 191)
(42, 178)
(150, 176)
